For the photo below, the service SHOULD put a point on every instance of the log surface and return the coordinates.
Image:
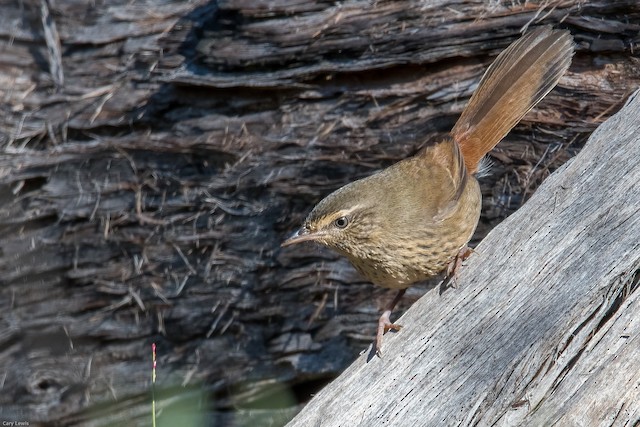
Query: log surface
(544, 327)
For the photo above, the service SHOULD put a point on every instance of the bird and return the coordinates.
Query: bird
(413, 220)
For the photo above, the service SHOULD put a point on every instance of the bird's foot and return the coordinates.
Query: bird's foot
(456, 264)
(384, 324)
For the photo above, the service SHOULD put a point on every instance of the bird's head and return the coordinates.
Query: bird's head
(343, 221)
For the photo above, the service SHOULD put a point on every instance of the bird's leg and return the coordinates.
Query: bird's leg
(456, 263)
(384, 323)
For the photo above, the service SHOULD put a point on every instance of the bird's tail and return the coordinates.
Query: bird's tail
(517, 80)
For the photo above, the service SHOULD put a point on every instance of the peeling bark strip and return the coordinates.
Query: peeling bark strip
(543, 328)
(144, 199)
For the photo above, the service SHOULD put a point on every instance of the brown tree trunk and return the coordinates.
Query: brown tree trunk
(155, 155)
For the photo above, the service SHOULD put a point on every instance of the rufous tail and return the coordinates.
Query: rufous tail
(517, 80)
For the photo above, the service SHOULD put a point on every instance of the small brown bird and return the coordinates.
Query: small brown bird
(413, 220)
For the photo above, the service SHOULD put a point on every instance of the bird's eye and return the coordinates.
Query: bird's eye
(341, 222)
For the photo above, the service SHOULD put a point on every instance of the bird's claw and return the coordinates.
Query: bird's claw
(384, 325)
(456, 263)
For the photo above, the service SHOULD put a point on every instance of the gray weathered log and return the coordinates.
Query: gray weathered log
(544, 327)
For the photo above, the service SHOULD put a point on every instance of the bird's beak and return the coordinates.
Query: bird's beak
(302, 235)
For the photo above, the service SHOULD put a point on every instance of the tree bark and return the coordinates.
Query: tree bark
(543, 328)
(154, 156)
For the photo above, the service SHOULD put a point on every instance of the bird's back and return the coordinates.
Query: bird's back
(427, 208)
